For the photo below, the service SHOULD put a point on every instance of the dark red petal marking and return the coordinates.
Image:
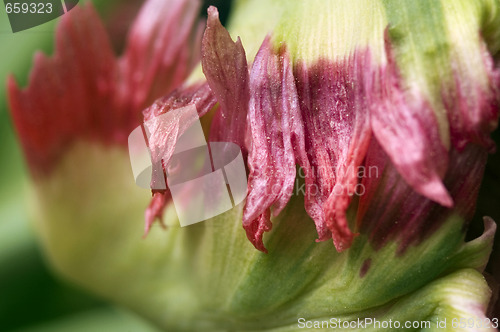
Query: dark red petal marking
(348, 163)
(275, 125)
(225, 66)
(84, 92)
(392, 211)
(365, 267)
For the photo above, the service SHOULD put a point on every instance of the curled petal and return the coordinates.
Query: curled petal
(256, 228)
(163, 137)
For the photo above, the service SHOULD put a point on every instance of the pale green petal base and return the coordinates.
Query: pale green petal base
(208, 277)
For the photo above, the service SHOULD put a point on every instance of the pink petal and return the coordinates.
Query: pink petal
(276, 127)
(334, 107)
(162, 141)
(161, 49)
(256, 228)
(155, 209)
(473, 110)
(225, 66)
(406, 127)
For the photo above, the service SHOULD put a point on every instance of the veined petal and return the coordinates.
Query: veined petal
(334, 102)
(277, 137)
(225, 67)
(161, 143)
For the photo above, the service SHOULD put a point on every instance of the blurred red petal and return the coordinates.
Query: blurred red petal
(85, 92)
(473, 109)
(161, 50)
(71, 94)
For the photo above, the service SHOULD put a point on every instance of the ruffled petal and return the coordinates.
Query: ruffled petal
(276, 133)
(334, 103)
(317, 118)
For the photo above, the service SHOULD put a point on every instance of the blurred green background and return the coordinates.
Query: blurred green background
(31, 297)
